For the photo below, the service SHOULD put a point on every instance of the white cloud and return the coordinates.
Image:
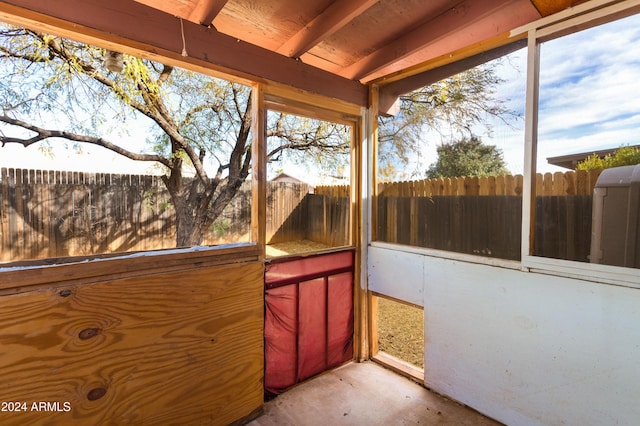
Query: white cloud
(589, 97)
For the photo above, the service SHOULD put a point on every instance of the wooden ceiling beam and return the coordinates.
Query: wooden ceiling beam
(205, 11)
(135, 26)
(453, 26)
(450, 57)
(336, 16)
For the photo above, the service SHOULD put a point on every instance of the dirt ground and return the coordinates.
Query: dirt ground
(401, 331)
(400, 327)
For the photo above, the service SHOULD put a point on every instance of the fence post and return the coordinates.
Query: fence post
(558, 183)
(547, 184)
(519, 186)
(500, 185)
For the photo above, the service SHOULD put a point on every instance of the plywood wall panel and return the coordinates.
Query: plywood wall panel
(173, 348)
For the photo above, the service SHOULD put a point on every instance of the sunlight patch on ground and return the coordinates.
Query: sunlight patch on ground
(294, 247)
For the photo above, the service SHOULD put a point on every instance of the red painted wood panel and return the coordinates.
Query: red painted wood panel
(308, 317)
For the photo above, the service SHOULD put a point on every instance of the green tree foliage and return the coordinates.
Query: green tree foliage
(467, 157)
(623, 156)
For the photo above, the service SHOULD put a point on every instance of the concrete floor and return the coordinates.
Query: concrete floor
(365, 394)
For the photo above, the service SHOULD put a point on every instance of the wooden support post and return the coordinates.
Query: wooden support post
(369, 228)
(259, 169)
(359, 237)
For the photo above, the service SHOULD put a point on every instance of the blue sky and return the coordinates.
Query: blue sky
(589, 96)
(589, 100)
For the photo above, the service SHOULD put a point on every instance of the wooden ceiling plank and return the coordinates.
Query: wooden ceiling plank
(128, 23)
(336, 16)
(460, 17)
(206, 11)
(180, 8)
(275, 91)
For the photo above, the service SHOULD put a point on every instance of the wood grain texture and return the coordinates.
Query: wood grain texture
(19, 277)
(259, 168)
(172, 348)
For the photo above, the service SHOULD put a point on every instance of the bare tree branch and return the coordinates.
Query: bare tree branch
(42, 134)
(153, 108)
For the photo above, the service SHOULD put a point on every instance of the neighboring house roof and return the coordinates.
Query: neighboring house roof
(570, 161)
(283, 177)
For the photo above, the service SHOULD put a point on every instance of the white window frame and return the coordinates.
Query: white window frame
(570, 21)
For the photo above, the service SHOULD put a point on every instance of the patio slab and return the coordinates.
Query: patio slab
(365, 394)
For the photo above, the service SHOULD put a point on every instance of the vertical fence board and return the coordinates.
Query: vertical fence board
(509, 185)
(19, 219)
(558, 184)
(500, 186)
(483, 215)
(4, 212)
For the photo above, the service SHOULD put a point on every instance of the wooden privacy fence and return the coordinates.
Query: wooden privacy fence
(56, 213)
(464, 224)
(547, 184)
(487, 225)
(53, 214)
(317, 217)
(332, 190)
(483, 216)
